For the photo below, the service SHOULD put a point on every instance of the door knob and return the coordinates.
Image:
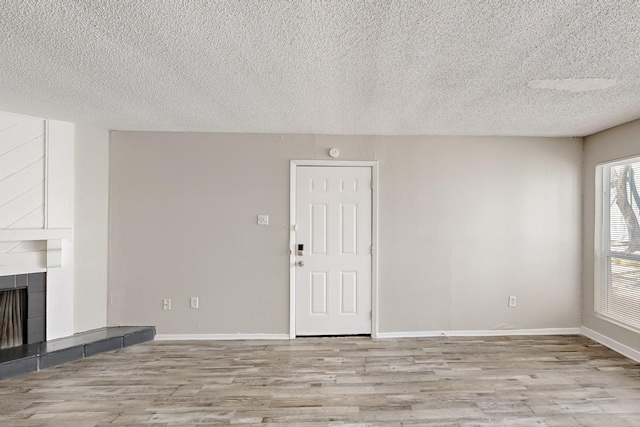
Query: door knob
(300, 263)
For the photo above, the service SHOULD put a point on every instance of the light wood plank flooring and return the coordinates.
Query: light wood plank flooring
(498, 381)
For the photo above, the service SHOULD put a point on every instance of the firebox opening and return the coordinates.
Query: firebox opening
(13, 318)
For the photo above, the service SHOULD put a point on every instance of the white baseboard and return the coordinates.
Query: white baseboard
(384, 335)
(612, 344)
(480, 333)
(220, 337)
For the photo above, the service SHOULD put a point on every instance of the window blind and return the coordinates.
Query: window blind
(618, 242)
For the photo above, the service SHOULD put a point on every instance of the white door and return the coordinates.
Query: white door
(333, 250)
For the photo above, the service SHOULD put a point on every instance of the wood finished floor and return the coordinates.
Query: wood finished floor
(497, 381)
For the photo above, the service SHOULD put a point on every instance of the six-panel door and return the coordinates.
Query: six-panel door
(333, 217)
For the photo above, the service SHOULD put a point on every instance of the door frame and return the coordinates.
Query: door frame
(292, 235)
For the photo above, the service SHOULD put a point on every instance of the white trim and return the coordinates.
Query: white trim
(612, 344)
(617, 322)
(376, 250)
(292, 248)
(219, 337)
(603, 255)
(60, 215)
(359, 163)
(16, 235)
(23, 263)
(619, 160)
(374, 236)
(480, 333)
(46, 173)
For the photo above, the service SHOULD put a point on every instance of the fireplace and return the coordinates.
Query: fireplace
(13, 310)
(22, 309)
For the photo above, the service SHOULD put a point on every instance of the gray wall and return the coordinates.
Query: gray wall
(464, 223)
(616, 143)
(91, 204)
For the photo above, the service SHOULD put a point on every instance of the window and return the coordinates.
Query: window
(617, 281)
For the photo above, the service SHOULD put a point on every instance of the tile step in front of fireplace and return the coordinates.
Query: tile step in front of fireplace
(35, 357)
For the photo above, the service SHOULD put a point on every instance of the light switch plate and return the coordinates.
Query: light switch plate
(263, 219)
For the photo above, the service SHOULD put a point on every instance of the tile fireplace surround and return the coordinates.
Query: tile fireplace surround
(35, 284)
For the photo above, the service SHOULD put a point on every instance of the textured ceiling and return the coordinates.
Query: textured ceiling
(323, 66)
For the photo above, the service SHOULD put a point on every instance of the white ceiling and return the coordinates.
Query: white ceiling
(402, 67)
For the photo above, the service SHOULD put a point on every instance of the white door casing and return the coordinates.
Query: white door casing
(333, 218)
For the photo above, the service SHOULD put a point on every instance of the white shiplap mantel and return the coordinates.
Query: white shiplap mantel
(39, 168)
(36, 234)
(17, 263)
